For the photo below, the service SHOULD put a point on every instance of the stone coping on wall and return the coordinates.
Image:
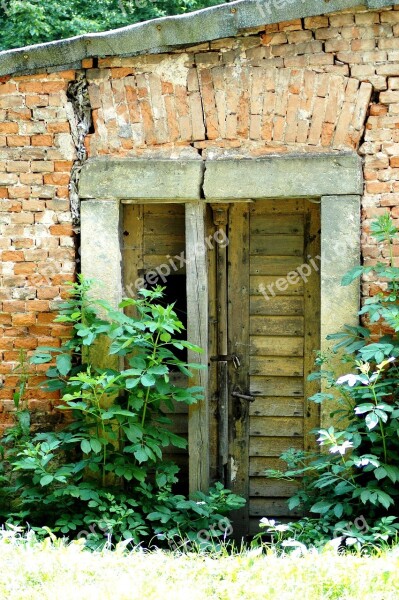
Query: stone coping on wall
(166, 33)
(295, 175)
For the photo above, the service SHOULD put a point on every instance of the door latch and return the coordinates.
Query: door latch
(246, 397)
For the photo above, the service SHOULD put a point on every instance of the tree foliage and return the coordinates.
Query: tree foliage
(25, 22)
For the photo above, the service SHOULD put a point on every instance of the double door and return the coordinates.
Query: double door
(259, 263)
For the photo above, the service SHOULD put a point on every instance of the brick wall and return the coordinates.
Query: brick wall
(318, 84)
(36, 244)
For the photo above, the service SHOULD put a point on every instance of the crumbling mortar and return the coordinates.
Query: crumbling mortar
(80, 119)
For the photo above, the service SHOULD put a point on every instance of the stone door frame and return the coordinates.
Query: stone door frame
(334, 180)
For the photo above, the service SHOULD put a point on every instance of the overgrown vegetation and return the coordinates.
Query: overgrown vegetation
(356, 477)
(104, 475)
(25, 22)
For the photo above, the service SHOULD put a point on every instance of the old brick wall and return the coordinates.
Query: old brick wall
(318, 84)
(36, 245)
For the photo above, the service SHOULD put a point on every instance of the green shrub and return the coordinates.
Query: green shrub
(104, 475)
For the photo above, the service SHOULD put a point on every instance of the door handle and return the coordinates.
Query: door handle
(246, 397)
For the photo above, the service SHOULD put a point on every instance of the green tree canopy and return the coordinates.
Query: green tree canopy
(25, 22)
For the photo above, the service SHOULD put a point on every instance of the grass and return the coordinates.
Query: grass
(44, 570)
(47, 570)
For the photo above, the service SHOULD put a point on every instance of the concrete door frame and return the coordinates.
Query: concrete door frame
(335, 180)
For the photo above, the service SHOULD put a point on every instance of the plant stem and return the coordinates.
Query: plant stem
(384, 444)
(152, 358)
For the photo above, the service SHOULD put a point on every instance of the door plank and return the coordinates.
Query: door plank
(279, 224)
(312, 324)
(273, 446)
(276, 426)
(276, 346)
(287, 366)
(238, 342)
(274, 265)
(277, 386)
(267, 284)
(280, 305)
(197, 333)
(279, 325)
(280, 245)
(276, 407)
(266, 487)
(168, 225)
(271, 508)
(277, 206)
(163, 244)
(259, 464)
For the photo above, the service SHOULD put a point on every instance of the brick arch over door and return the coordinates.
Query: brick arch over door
(255, 109)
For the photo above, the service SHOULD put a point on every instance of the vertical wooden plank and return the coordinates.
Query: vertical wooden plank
(238, 345)
(197, 333)
(220, 218)
(133, 252)
(215, 470)
(312, 319)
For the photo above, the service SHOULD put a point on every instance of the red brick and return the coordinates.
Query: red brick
(61, 229)
(23, 320)
(9, 127)
(56, 179)
(18, 140)
(63, 166)
(42, 140)
(12, 256)
(58, 127)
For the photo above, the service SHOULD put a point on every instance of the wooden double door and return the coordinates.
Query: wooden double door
(262, 276)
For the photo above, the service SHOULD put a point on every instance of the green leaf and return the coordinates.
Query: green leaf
(158, 370)
(385, 499)
(147, 380)
(137, 362)
(371, 420)
(46, 479)
(352, 275)
(85, 446)
(132, 383)
(95, 445)
(64, 364)
(338, 510)
(321, 507)
(141, 455)
(133, 433)
(380, 473)
(363, 408)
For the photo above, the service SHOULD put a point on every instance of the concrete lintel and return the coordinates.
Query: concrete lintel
(284, 176)
(340, 252)
(125, 178)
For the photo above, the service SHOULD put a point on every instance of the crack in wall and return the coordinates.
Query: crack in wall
(80, 119)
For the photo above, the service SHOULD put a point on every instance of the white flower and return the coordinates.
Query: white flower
(341, 448)
(350, 379)
(268, 522)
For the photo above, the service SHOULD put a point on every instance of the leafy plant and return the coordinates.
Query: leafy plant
(106, 467)
(358, 473)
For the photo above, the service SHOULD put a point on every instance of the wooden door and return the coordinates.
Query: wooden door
(268, 332)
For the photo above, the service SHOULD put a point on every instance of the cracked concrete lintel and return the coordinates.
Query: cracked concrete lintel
(125, 178)
(295, 175)
(166, 33)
